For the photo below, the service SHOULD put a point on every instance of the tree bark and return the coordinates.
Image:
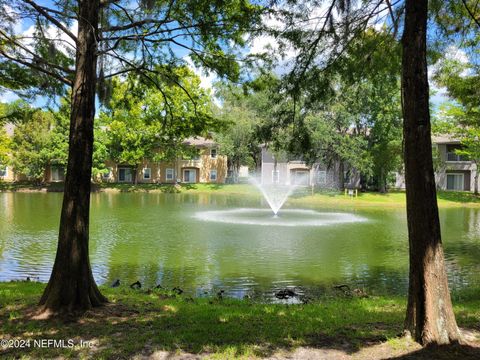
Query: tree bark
(71, 287)
(429, 318)
(475, 179)
(341, 175)
(382, 182)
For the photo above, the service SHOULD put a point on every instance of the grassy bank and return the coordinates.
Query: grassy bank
(302, 196)
(137, 323)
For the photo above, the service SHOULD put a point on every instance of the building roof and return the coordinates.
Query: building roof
(199, 141)
(445, 139)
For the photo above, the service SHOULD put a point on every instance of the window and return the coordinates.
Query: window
(147, 174)
(301, 177)
(125, 175)
(321, 177)
(453, 156)
(213, 175)
(169, 174)
(190, 175)
(213, 153)
(275, 176)
(455, 182)
(3, 171)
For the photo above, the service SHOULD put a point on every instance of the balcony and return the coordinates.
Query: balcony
(191, 162)
(451, 156)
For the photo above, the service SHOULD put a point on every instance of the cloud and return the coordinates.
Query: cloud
(440, 94)
(455, 53)
(10, 12)
(62, 41)
(206, 80)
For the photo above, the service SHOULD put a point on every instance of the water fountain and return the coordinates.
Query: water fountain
(276, 195)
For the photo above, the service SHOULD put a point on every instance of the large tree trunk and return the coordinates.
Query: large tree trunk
(71, 287)
(429, 317)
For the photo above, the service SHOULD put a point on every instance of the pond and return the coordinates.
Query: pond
(183, 240)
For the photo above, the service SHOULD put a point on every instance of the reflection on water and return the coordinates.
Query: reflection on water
(155, 238)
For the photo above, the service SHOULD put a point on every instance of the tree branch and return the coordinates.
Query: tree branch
(135, 24)
(37, 58)
(472, 15)
(49, 17)
(38, 68)
(141, 70)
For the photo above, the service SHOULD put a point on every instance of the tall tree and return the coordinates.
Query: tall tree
(238, 139)
(5, 148)
(430, 317)
(119, 36)
(138, 127)
(31, 152)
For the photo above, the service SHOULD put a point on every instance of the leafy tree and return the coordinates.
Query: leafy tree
(5, 148)
(15, 111)
(430, 317)
(331, 141)
(138, 126)
(462, 80)
(112, 38)
(58, 140)
(100, 152)
(31, 152)
(355, 119)
(58, 136)
(238, 139)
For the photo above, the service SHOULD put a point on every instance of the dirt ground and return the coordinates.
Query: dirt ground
(401, 349)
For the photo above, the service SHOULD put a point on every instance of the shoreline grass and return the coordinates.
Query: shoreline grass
(137, 323)
(303, 196)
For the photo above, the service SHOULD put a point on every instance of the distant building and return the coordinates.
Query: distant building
(455, 172)
(280, 170)
(208, 167)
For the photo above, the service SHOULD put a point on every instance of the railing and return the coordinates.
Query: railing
(455, 157)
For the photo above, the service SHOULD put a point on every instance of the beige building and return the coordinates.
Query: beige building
(208, 167)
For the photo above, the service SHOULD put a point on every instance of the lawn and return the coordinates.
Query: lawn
(305, 195)
(160, 323)
(301, 196)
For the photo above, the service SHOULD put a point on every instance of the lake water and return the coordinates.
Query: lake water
(165, 239)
